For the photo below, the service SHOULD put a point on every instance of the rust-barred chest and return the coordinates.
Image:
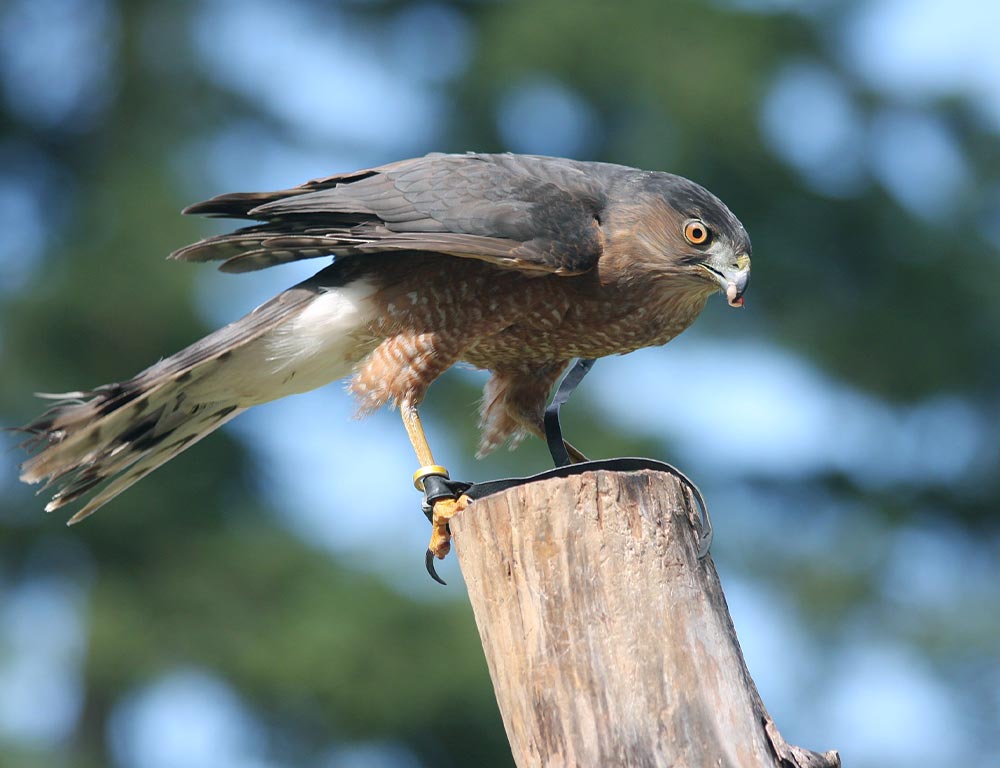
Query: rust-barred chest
(562, 325)
(507, 319)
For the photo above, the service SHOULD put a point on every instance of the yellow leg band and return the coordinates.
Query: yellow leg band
(427, 471)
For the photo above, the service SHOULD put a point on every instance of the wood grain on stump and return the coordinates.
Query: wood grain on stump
(608, 641)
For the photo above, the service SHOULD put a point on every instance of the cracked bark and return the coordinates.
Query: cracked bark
(609, 643)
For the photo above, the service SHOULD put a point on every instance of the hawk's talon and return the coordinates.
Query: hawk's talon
(443, 499)
(429, 565)
(443, 511)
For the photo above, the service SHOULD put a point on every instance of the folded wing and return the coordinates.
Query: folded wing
(522, 212)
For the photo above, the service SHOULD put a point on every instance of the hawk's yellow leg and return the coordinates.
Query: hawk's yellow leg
(574, 453)
(444, 509)
(415, 431)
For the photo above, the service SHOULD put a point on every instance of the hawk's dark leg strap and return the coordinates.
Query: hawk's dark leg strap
(553, 430)
(438, 487)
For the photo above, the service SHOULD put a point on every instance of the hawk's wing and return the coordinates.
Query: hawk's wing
(523, 212)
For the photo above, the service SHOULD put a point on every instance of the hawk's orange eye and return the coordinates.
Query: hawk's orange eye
(696, 233)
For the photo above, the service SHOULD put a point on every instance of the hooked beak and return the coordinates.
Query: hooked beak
(732, 279)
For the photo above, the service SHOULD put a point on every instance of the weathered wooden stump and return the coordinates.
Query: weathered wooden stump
(608, 641)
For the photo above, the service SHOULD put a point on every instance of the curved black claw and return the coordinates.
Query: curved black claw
(429, 565)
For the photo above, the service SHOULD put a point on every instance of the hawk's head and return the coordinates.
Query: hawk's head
(695, 235)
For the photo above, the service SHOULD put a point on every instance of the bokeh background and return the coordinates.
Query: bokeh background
(241, 608)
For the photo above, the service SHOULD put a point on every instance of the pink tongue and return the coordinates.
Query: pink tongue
(731, 297)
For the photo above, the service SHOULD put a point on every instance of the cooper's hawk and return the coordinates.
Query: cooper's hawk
(512, 263)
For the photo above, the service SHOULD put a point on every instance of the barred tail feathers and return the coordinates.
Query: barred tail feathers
(117, 434)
